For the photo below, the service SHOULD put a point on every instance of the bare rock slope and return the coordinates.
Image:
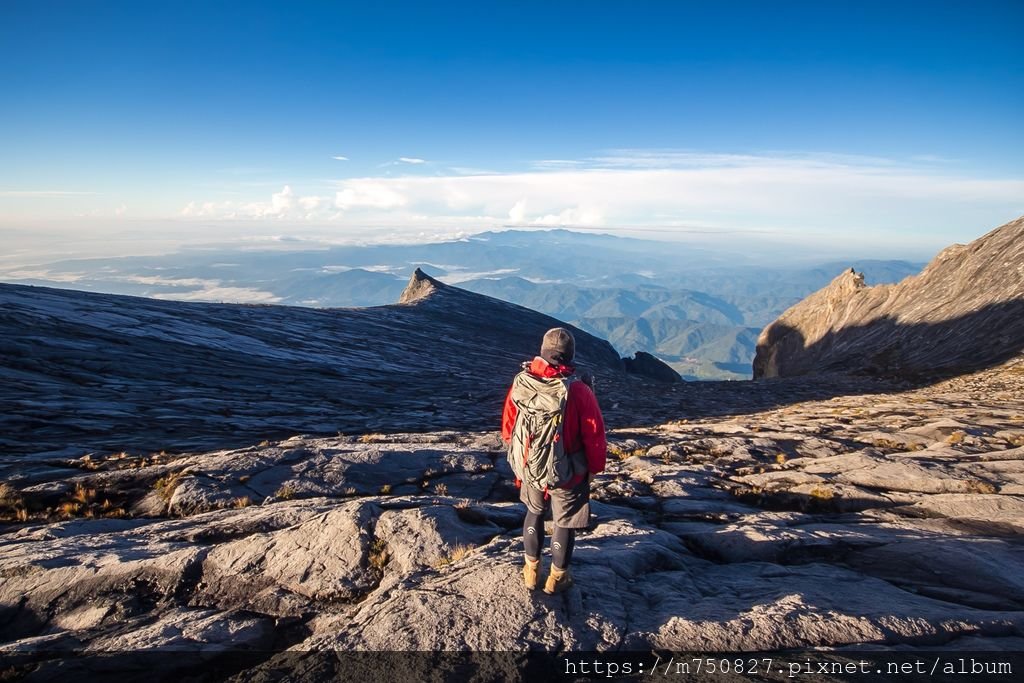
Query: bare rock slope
(964, 312)
(889, 520)
(83, 372)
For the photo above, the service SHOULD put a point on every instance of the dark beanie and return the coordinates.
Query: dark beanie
(558, 347)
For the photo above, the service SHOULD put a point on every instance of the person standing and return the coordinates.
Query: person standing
(555, 434)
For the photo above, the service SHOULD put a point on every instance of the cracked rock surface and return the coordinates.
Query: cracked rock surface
(888, 519)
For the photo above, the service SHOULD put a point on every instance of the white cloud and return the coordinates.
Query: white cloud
(670, 192)
(379, 193)
(340, 158)
(412, 160)
(517, 214)
(241, 295)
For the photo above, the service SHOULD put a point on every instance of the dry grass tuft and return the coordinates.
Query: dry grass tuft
(979, 486)
(458, 552)
(441, 489)
(242, 502)
(165, 486)
(820, 492)
(83, 495)
(385, 489)
(379, 555)
(956, 437)
(286, 492)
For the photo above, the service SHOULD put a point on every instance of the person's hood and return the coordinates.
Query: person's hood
(541, 368)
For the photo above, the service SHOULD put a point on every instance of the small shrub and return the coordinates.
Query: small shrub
(263, 444)
(379, 554)
(83, 495)
(69, 509)
(457, 553)
(242, 502)
(820, 492)
(780, 458)
(956, 437)
(441, 489)
(9, 495)
(369, 438)
(286, 492)
(385, 489)
(979, 486)
(165, 486)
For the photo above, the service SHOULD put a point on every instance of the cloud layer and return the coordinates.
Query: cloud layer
(666, 191)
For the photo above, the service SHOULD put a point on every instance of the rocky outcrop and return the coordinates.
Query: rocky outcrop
(83, 372)
(964, 312)
(887, 520)
(643, 363)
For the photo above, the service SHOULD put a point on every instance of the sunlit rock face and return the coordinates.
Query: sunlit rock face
(964, 312)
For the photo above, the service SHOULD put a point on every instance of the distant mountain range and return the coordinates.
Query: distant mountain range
(697, 309)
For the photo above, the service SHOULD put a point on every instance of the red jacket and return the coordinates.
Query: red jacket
(583, 428)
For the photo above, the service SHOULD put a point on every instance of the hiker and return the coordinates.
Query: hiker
(556, 444)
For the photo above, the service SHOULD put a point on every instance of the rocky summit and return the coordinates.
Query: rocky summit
(824, 510)
(964, 312)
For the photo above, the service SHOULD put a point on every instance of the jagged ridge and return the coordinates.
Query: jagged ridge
(964, 312)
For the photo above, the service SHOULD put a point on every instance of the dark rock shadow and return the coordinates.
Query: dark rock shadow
(918, 352)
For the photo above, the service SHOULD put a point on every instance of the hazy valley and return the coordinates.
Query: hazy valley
(697, 309)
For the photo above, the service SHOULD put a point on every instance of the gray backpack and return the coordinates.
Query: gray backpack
(536, 451)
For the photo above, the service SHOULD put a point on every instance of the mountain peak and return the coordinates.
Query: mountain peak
(420, 287)
(964, 312)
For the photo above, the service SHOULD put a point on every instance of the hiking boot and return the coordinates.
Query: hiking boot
(530, 573)
(558, 580)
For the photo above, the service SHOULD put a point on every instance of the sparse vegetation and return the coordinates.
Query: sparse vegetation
(780, 458)
(241, 502)
(458, 552)
(624, 453)
(979, 486)
(165, 486)
(263, 444)
(285, 492)
(379, 554)
(820, 492)
(441, 489)
(369, 438)
(83, 495)
(956, 437)
(385, 489)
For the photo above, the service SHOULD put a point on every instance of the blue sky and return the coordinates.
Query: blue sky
(899, 122)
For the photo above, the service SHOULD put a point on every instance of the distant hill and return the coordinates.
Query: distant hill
(690, 306)
(964, 312)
